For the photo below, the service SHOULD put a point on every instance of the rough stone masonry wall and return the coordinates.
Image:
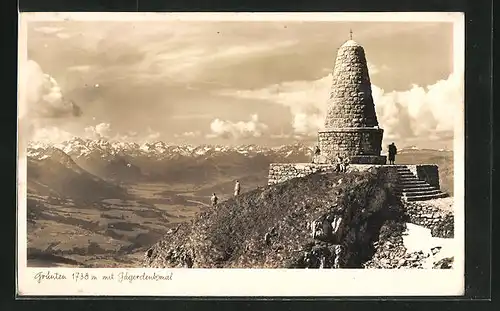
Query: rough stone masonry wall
(441, 222)
(280, 172)
(426, 172)
(351, 101)
(348, 143)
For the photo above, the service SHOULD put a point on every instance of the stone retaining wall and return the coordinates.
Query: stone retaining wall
(426, 172)
(439, 221)
(280, 172)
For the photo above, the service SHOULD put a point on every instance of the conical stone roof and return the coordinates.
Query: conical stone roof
(351, 102)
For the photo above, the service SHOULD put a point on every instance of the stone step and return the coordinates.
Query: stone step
(402, 168)
(414, 187)
(420, 193)
(400, 172)
(417, 189)
(408, 178)
(412, 182)
(427, 197)
(406, 174)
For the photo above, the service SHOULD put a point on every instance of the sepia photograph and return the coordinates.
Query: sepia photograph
(250, 142)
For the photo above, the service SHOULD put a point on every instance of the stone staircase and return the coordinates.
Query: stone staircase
(413, 189)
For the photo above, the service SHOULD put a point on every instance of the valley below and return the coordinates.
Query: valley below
(111, 232)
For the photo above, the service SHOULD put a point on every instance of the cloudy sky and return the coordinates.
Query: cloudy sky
(231, 82)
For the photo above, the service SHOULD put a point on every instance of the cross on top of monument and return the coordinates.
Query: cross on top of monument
(350, 34)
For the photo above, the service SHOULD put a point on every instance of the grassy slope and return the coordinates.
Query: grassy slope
(233, 234)
(52, 178)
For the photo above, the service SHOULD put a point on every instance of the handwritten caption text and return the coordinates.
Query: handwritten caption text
(119, 277)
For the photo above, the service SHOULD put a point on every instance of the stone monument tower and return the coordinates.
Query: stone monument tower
(351, 127)
(351, 130)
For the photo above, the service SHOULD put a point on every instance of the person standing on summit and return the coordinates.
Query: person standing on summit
(214, 200)
(237, 188)
(392, 153)
(316, 154)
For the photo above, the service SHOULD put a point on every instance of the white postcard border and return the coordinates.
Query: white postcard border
(247, 282)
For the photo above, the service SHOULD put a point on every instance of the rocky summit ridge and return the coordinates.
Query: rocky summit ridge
(323, 220)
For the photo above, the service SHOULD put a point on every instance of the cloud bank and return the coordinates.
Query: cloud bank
(44, 112)
(51, 135)
(235, 130)
(104, 131)
(44, 98)
(99, 131)
(188, 134)
(421, 111)
(306, 100)
(42, 106)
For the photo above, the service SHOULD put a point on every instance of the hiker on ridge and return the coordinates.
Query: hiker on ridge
(339, 165)
(214, 199)
(347, 161)
(342, 164)
(392, 153)
(237, 188)
(316, 153)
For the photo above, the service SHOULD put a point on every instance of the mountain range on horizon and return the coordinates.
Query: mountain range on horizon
(160, 162)
(105, 165)
(78, 146)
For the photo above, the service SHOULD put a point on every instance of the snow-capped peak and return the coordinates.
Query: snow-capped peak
(81, 147)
